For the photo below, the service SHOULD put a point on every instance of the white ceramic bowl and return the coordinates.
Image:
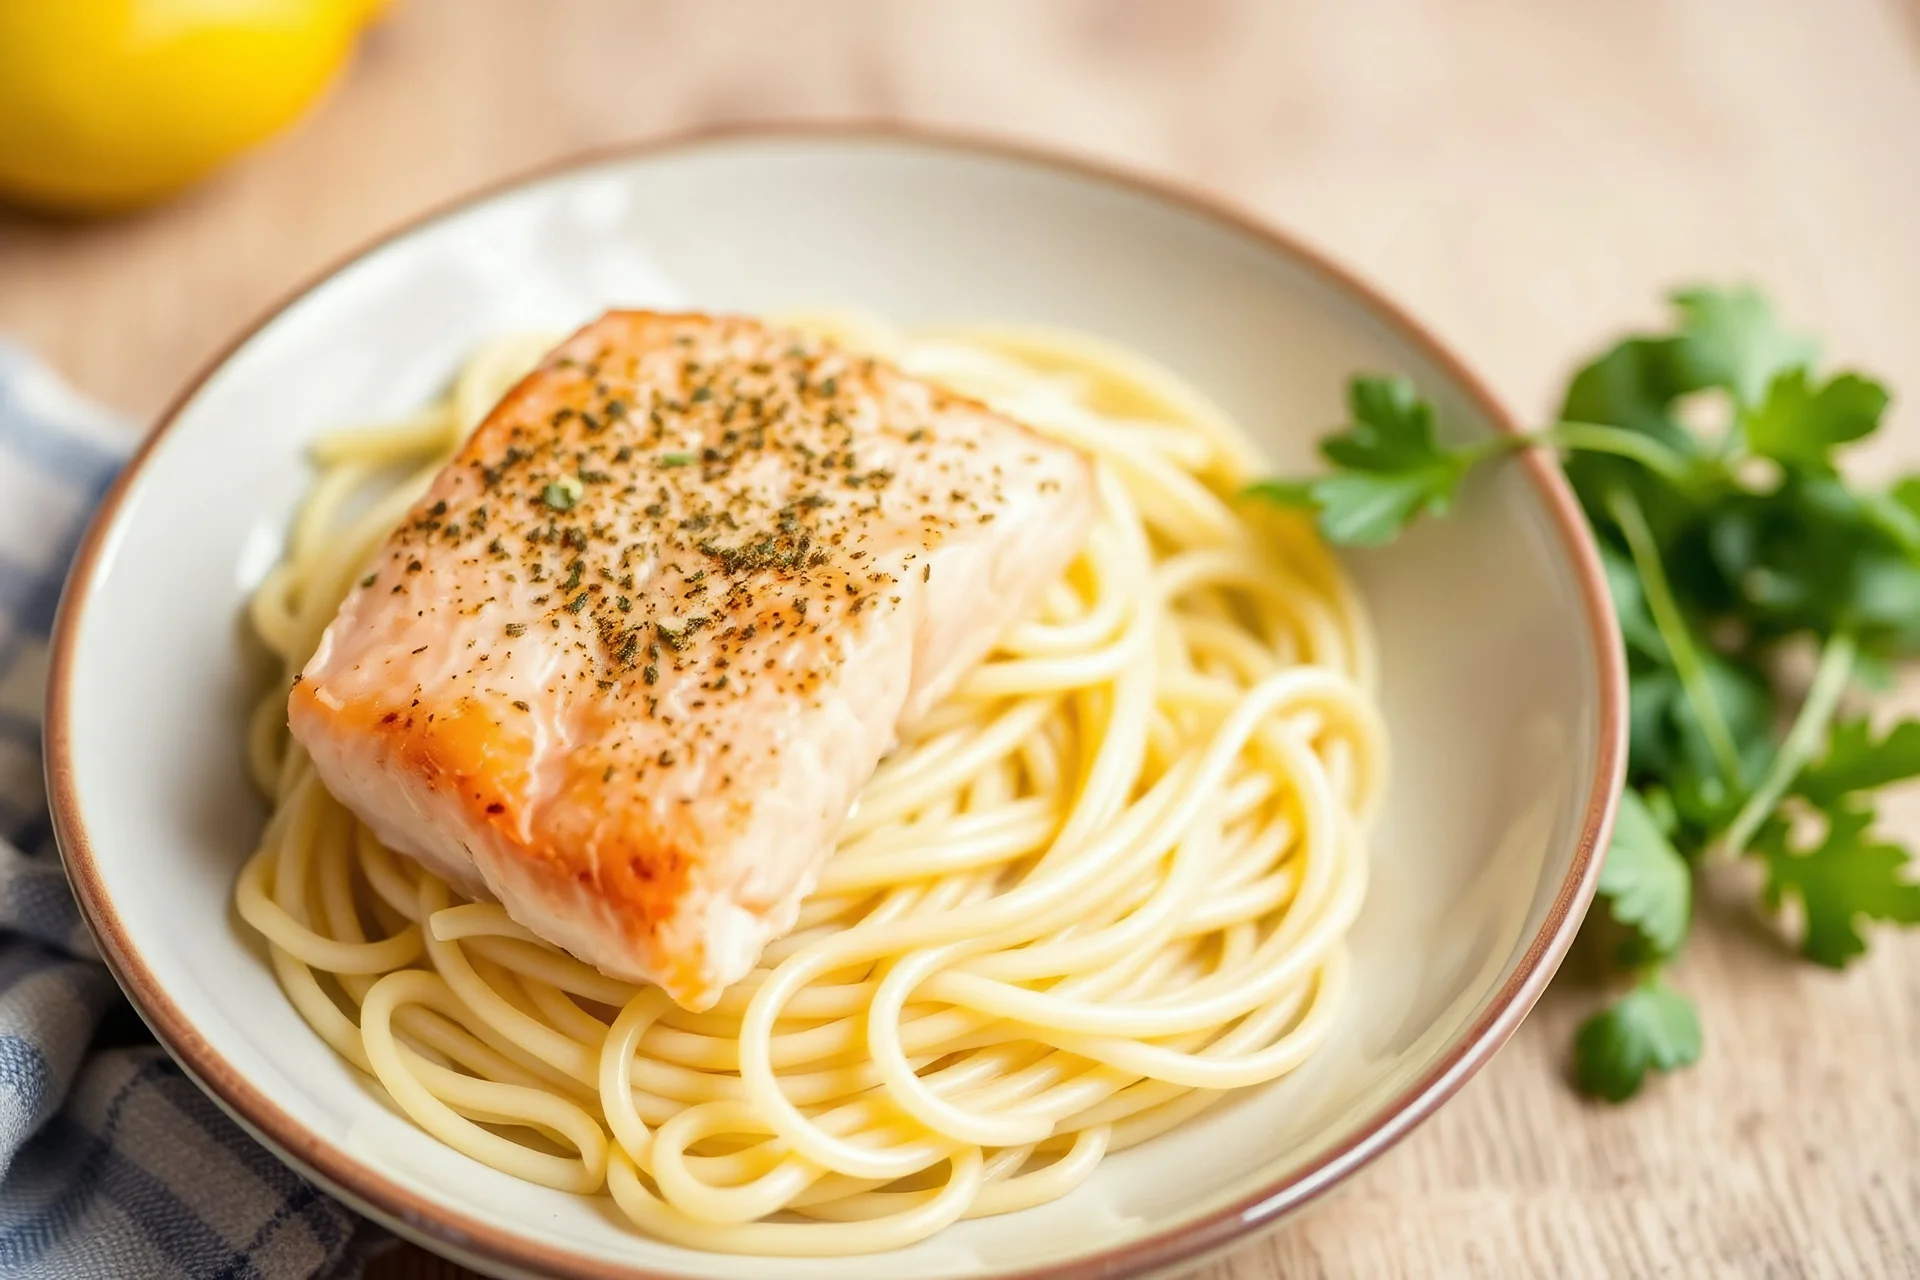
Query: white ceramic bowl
(1503, 683)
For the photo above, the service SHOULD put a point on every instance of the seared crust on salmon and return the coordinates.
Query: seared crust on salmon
(627, 664)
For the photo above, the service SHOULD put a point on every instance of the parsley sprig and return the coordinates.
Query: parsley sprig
(1705, 459)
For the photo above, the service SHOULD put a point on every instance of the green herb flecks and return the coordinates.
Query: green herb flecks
(561, 494)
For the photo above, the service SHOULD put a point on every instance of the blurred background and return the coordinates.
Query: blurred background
(1527, 177)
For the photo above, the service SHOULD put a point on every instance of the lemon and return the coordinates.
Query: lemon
(110, 104)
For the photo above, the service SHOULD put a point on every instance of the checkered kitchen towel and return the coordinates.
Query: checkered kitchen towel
(112, 1164)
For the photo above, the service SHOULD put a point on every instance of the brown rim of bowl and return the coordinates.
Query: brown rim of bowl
(1185, 1242)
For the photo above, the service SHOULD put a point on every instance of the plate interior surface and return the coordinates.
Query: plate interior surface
(1492, 681)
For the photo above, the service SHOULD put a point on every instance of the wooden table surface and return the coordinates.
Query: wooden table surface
(1528, 177)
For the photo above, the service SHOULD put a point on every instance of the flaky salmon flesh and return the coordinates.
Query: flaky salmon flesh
(628, 663)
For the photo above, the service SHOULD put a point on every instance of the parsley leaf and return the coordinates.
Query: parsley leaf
(1844, 877)
(1855, 761)
(1391, 428)
(1716, 566)
(1667, 743)
(1812, 555)
(1726, 339)
(1630, 606)
(1366, 509)
(1730, 338)
(1631, 385)
(1896, 512)
(1906, 492)
(1647, 884)
(1391, 467)
(1650, 1028)
(1800, 423)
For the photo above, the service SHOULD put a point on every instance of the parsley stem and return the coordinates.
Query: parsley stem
(1672, 625)
(1809, 728)
(1593, 437)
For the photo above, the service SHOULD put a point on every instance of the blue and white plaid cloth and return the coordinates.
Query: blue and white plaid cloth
(112, 1163)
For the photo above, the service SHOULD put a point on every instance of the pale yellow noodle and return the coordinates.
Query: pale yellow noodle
(1108, 882)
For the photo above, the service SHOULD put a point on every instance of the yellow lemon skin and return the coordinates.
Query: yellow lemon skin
(106, 105)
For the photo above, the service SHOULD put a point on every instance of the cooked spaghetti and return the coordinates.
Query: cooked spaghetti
(1105, 883)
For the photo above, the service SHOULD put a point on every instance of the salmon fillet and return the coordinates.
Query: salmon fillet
(628, 663)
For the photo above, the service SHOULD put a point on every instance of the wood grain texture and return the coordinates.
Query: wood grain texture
(1528, 177)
